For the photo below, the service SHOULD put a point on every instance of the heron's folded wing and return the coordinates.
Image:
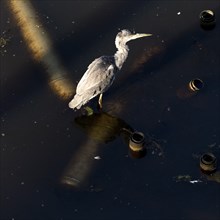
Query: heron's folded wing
(96, 78)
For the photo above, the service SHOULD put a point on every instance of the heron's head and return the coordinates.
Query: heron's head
(125, 35)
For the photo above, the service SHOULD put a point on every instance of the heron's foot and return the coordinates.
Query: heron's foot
(88, 111)
(99, 107)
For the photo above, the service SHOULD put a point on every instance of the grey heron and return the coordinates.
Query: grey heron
(101, 72)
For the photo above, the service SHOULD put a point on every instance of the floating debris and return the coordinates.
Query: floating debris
(195, 181)
(182, 178)
(5, 38)
(155, 146)
(214, 146)
(97, 158)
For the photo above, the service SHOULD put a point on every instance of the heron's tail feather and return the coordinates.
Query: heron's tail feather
(77, 102)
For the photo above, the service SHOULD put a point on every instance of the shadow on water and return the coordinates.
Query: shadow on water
(100, 128)
(39, 45)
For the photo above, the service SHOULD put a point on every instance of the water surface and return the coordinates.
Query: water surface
(41, 141)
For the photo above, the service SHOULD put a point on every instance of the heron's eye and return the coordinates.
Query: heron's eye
(127, 33)
(119, 34)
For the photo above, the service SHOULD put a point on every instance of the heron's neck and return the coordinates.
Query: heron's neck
(121, 55)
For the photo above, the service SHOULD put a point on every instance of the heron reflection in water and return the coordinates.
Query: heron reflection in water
(104, 127)
(101, 72)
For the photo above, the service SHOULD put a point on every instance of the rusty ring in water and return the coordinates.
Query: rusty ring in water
(136, 145)
(207, 19)
(208, 163)
(137, 141)
(196, 84)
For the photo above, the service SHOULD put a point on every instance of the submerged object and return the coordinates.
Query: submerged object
(208, 163)
(136, 145)
(207, 19)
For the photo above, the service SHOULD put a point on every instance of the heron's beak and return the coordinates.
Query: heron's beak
(135, 36)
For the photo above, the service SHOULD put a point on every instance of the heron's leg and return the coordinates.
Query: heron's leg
(100, 101)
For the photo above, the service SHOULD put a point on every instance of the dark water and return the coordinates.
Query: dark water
(42, 142)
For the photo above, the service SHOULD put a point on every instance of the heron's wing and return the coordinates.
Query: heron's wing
(97, 77)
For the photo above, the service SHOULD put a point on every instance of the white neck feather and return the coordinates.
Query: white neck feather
(121, 54)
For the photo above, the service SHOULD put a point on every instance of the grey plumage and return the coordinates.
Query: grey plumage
(101, 72)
